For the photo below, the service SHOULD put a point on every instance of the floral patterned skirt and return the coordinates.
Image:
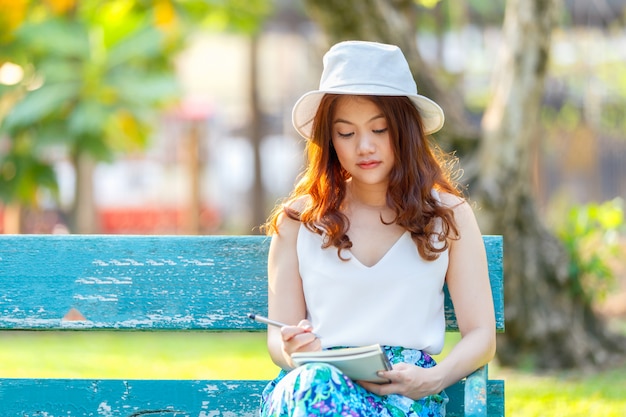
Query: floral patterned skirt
(318, 389)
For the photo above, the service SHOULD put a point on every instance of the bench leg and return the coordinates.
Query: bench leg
(476, 393)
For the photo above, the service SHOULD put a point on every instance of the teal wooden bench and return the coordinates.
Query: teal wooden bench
(150, 283)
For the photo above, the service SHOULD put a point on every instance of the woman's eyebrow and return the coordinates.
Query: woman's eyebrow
(378, 116)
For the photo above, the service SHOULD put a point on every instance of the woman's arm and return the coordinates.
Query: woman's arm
(470, 291)
(286, 298)
(468, 283)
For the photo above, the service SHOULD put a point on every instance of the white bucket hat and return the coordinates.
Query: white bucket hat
(365, 68)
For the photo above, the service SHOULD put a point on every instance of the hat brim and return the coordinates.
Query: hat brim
(306, 107)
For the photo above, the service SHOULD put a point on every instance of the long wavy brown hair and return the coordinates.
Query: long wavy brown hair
(419, 168)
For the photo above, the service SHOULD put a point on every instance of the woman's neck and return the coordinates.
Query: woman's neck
(373, 197)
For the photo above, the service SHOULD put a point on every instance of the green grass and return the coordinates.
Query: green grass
(142, 355)
(571, 395)
(201, 355)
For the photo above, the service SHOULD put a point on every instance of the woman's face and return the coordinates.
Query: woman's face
(361, 140)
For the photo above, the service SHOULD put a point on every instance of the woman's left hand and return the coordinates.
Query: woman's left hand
(408, 380)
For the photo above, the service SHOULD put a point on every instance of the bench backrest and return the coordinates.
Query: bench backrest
(151, 283)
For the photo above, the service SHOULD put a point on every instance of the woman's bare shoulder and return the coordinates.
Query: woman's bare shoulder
(287, 224)
(451, 200)
(299, 204)
(462, 208)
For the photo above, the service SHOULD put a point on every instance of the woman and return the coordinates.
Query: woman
(361, 249)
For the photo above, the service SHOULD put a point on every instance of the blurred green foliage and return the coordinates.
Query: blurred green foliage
(93, 73)
(591, 235)
(588, 80)
(95, 77)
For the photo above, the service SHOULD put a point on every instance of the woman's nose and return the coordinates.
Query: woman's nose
(365, 144)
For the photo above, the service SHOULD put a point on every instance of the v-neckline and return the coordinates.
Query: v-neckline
(382, 258)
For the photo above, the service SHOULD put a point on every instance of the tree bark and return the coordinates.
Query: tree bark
(257, 132)
(548, 323)
(83, 216)
(193, 207)
(12, 219)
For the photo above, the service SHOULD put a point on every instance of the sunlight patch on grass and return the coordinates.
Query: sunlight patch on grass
(560, 398)
(568, 395)
(135, 355)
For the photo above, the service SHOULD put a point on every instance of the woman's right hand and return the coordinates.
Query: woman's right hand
(299, 338)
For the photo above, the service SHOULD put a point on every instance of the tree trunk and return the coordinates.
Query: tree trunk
(548, 323)
(393, 22)
(257, 132)
(83, 219)
(193, 206)
(12, 219)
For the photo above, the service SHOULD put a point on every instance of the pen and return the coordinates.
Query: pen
(271, 322)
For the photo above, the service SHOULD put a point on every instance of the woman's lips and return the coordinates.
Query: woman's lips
(368, 164)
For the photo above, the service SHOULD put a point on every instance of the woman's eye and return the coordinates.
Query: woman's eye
(379, 131)
(345, 135)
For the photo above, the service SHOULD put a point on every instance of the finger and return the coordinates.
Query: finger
(289, 332)
(308, 341)
(379, 389)
(388, 375)
(302, 342)
(305, 324)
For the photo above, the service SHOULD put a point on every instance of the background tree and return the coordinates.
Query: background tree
(96, 76)
(548, 324)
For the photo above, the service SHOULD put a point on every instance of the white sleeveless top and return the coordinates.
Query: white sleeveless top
(397, 302)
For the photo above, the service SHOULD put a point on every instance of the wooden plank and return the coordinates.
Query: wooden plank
(132, 282)
(150, 282)
(495, 259)
(495, 399)
(476, 393)
(81, 397)
(493, 247)
(203, 398)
